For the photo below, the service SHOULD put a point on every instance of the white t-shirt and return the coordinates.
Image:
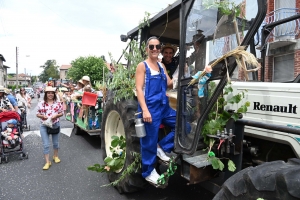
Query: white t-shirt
(23, 100)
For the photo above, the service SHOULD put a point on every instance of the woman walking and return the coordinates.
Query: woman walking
(24, 98)
(50, 108)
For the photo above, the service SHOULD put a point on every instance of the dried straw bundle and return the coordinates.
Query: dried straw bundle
(241, 56)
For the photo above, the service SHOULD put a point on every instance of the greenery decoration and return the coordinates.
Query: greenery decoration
(117, 160)
(163, 179)
(123, 81)
(217, 119)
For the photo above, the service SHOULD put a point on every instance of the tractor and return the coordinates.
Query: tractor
(263, 143)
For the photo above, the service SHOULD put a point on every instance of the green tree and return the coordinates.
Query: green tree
(91, 66)
(50, 69)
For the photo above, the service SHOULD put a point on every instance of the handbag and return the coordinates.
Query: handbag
(53, 130)
(49, 125)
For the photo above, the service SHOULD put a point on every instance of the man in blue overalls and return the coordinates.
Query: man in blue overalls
(152, 81)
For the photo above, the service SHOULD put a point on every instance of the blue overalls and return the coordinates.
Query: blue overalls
(161, 113)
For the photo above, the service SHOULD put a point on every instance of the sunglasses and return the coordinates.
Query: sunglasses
(151, 46)
(22, 90)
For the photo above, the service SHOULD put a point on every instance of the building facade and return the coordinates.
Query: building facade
(63, 71)
(3, 71)
(283, 48)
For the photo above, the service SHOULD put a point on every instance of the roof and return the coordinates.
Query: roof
(64, 67)
(2, 58)
(6, 66)
(19, 79)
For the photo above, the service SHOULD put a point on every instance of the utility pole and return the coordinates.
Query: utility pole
(17, 55)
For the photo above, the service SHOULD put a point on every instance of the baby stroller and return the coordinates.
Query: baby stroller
(14, 146)
(23, 113)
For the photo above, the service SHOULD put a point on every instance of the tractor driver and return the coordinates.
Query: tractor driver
(168, 51)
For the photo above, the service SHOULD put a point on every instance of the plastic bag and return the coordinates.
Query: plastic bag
(48, 122)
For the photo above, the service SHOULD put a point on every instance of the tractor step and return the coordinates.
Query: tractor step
(195, 168)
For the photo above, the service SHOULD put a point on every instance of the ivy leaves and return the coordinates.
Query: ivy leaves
(218, 164)
(218, 117)
(117, 160)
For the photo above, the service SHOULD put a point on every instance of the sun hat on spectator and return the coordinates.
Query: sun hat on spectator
(50, 89)
(86, 78)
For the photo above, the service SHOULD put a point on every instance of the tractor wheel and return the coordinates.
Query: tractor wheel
(117, 120)
(76, 130)
(271, 180)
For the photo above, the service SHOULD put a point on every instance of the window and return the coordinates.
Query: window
(66, 72)
(283, 68)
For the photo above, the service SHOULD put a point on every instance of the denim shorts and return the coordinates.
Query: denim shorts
(45, 138)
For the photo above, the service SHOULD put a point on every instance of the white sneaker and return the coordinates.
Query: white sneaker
(161, 154)
(153, 177)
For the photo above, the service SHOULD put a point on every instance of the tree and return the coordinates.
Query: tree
(91, 66)
(50, 69)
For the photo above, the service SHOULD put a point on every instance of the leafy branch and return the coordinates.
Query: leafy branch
(117, 159)
(218, 118)
(132, 168)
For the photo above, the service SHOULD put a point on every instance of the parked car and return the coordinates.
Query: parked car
(30, 91)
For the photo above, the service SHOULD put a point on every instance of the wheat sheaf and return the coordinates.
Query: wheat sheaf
(242, 58)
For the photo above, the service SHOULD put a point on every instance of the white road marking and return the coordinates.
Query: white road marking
(65, 131)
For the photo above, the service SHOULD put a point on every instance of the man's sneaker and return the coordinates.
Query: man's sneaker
(161, 154)
(153, 177)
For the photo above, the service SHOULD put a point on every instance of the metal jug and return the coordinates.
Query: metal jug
(139, 127)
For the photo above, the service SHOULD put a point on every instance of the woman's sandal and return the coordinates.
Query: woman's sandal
(56, 159)
(47, 166)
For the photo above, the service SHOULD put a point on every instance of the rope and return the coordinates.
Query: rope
(166, 22)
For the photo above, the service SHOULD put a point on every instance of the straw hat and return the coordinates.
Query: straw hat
(168, 45)
(2, 89)
(7, 91)
(50, 89)
(86, 78)
(80, 81)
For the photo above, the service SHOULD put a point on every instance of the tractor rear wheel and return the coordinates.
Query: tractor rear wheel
(271, 180)
(118, 121)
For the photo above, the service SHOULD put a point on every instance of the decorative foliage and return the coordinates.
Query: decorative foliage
(123, 81)
(163, 179)
(132, 168)
(117, 160)
(226, 7)
(217, 119)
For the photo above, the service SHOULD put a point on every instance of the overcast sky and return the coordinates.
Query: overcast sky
(66, 29)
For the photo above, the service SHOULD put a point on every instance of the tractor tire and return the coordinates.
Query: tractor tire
(275, 180)
(118, 119)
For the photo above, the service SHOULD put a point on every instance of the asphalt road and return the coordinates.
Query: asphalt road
(70, 179)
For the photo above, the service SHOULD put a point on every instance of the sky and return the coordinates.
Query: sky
(64, 30)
